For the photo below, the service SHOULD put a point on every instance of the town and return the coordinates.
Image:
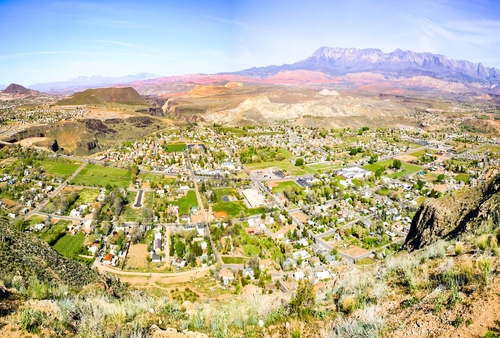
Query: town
(267, 206)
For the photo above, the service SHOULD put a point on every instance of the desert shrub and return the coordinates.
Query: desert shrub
(459, 248)
(304, 300)
(366, 326)
(31, 320)
(484, 265)
(436, 250)
(348, 304)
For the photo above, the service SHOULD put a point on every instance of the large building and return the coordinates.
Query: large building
(354, 172)
(254, 198)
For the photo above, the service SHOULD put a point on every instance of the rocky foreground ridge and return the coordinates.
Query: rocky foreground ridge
(453, 215)
(24, 256)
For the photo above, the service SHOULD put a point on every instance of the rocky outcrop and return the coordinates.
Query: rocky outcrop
(455, 214)
(16, 89)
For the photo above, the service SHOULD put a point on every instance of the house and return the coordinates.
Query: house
(301, 254)
(107, 259)
(330, 259)
(186, 218)
(299, 275)
(157, 242)
(226, 276)
(218, 215)
(248, 273)
(93, 250)
(200, 228)
(265, 263)
(288, 264)
(322, 274)
(155, 258)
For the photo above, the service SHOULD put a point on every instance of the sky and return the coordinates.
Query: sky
(45, 41)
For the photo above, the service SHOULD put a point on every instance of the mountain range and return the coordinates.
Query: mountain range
(363, 70)
(84, 82)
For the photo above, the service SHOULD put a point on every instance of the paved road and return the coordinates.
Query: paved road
(138, 200)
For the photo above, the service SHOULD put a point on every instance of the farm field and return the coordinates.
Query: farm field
(323, 166)
(95, 175)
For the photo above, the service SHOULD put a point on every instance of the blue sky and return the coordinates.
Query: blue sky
(44, 41)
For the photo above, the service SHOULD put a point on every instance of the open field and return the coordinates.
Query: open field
(88, 196)
(95, 175)
(69, 246)
(233, 209)
(58, 168)
(284, 165)
(283, 185)
(54, 232)
(323, 166)
(136, 257)
(185, 203)
(176, 148)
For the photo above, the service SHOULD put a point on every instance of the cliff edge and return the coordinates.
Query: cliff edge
(452, 215)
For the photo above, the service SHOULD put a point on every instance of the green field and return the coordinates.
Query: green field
(284, 165)
(233, 260)
(251, 250)
(406, 169)
(59, 168)
(54, 232)
(422, 152)
(284, 185)
(176, 148)
(463, 177)
(69, 246)
(95, 175)
(323, 167)
(88, 196)
(185, 203)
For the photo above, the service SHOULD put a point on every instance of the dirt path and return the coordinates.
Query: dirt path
(149, 279)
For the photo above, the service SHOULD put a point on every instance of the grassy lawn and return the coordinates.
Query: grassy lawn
(130, 213)
(52, 234)
(463, 177)
(422, 152)
(69, 246)
(233, 209)
(406, 169)
(95, 175)
(225, 192)
(284, 165)
(489, 149)
(377, 165)
(59, 168)
(283, 185)
(288, 155)
(251, 250)
(185, 203)
(36, 220)
(233, 260)
(323, 167)
(176, 148)
(88, 196)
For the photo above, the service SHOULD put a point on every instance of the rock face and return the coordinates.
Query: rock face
(452, 215)
(341, 61)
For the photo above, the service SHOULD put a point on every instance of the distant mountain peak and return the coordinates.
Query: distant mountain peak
(14, 88)
(85, 82)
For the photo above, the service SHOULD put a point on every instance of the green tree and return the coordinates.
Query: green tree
(180, 248)
(299, 162)
(304, 300)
